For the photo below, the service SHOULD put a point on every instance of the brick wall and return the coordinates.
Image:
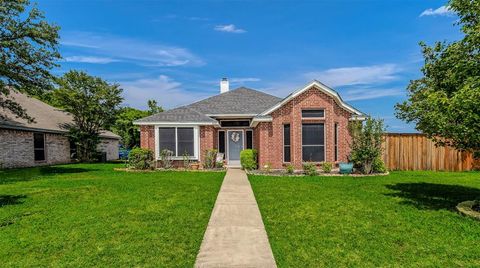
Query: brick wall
(208, 140)
(269, 135)
(147, 138)
(16, 149)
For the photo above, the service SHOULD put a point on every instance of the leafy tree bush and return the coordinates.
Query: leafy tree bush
(140, 158)
(210, 158)
(327, 167)
(125, 128)
(445, 102)
(366, 147)
(378, 165)
(93, 104)
(28, 51)
(248, 159)
(310, 169)
(289, 169)
(186, 160)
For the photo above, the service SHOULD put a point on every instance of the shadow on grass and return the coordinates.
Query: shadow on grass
(27, 174)
(7, 199)
(433, 196)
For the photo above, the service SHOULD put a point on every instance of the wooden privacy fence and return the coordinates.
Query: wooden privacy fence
(417, 152)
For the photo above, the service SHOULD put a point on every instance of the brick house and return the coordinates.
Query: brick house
(43, 142)
(309, 125)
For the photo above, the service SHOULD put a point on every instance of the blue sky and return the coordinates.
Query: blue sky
(177, 52)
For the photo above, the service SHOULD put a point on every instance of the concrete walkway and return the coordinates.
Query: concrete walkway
(235, 236)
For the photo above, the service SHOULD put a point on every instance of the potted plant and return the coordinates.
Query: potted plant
(194, 165)
(346, 167)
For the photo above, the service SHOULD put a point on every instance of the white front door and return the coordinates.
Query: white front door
(234, 147)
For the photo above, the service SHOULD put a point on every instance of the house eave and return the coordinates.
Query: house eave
(176, 123)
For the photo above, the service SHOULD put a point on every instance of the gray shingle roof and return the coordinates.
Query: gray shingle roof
(47, 118)
(181, 114)
(238, 101)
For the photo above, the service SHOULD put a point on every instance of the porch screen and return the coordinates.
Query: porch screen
(313, 142)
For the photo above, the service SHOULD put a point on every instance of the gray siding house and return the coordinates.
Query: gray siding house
(43, 142)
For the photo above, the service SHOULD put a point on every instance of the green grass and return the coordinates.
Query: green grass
(405, 219)
(90, 215)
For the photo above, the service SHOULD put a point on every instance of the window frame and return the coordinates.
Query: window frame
(234, 120)
(283, 142)
(313, 109)
(224, 141)
(335, 142)
(196, 141)
(44, 149)
(245, 134)
(324, 141)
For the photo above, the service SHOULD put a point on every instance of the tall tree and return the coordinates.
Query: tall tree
(153, 107)
(125, 128)
(28, 51)
(93, 104)
(445, 102)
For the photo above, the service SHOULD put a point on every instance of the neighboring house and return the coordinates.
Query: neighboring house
(309, 125)
(43, 142)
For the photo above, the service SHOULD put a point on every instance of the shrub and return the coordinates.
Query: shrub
(210, 158)
(140, 158)
(327, 167)
(186, 160)
(166, 158)
(378, 165)
(289, 169)
(366, 144)
(248, 159)
(310, 169)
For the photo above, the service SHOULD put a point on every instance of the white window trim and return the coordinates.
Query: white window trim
(196, 141)
(324, 144)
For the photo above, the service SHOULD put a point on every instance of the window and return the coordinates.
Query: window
(39, 146)
(313, 142)
(249, 140)
(221, 141)
(336, 141)
(185, 141)
(320, 113)
(242, 123)
(286, 143)
(179, 140)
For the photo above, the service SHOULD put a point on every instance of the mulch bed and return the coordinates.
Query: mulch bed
(282, 173)
(170, 169)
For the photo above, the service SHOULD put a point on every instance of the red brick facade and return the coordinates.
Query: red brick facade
(268, 136)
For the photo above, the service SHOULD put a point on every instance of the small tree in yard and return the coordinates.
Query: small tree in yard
(366, 146)
(93, 103)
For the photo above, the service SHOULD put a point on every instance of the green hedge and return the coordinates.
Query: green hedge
(140, 158)
(248, 159)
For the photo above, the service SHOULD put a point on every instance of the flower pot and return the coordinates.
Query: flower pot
(345, 168)
(194, 166)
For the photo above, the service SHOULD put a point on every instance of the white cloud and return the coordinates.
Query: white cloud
(133, 50)
(241, 80)
(166, 91)
(356, 75)
(229, 28)
(370, 93)
(441, 11)
(90, 59)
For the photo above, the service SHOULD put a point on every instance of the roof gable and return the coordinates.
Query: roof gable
(322, 87)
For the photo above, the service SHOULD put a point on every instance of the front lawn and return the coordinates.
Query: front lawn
(404, 219)
(90, 215)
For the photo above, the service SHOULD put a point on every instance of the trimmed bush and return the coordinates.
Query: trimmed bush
(327, 167)
(140, 158)
(248, 159)
(310, 169)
